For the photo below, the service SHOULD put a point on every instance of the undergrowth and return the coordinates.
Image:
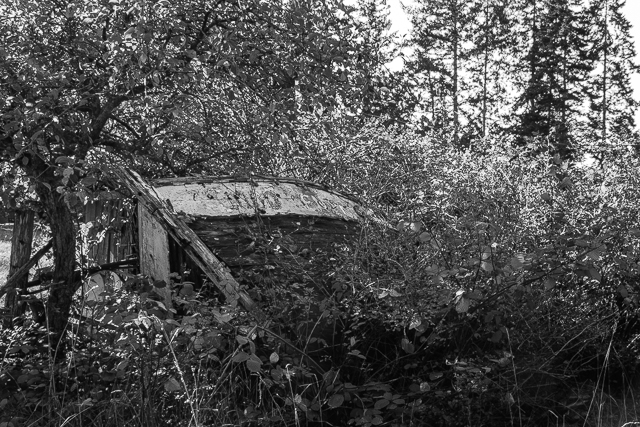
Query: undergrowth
(493, 288)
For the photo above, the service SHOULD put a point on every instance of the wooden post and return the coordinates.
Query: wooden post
(21, 244)
(215, 269)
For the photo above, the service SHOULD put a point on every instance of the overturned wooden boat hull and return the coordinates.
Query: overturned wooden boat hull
(238, 218)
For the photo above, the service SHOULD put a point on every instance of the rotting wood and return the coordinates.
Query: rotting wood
(214, 269)
(154, 250)
(268, 197)
(233, 238)
(24, 270)
(107, 232)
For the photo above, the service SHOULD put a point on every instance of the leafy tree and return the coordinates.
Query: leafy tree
(168, 87)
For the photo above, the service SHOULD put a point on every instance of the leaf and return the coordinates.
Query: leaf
(187, 290)
(435, 376)
(129, 32)
(403, 225)
(549, 284)
(596, 253)
(473, 296)
(463, 305)
(89, 181)
(336, 400)
(517, 261)
(274, 358)
(622, 290)
(407, 346)
(509, 398)
(487, 266)
(566, 183)
(254, 363)
(424, 387)
(172, 384)
(381, 403)
(496, 337)
(240, 357)
(424, 237)
(64, 160)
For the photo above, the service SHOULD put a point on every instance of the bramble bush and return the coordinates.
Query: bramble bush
(493, 286)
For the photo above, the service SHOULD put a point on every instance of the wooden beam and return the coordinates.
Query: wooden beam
(215, 269)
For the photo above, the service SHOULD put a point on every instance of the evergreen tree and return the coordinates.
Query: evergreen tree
(611, 105)
(488, 65)
(440, 28)
(559, 63)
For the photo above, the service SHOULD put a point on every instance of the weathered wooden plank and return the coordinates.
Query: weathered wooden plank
(215, 270)
(154, 249)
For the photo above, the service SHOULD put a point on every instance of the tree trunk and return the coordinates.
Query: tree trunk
(456, 42)
(21, 244)
(604, 73)
(485, 65)
(63, 235)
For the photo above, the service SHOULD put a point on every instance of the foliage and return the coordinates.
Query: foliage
(168, 88)
(485, 287)
(490, 289)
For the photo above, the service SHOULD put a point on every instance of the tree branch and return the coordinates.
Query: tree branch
(15, 277)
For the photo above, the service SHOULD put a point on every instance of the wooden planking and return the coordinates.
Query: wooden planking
(266, 197)
(154, 250)
(234, 239)
(110, 238)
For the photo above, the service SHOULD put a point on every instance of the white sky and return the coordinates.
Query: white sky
(400, 23)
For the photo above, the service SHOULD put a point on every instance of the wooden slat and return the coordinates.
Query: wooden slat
(195, 248)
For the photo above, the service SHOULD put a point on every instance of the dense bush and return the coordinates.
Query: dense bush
(493, 286)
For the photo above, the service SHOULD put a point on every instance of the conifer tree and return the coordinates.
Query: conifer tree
(488, 65)
(559, 63)
(440, 28)
(611, 105)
